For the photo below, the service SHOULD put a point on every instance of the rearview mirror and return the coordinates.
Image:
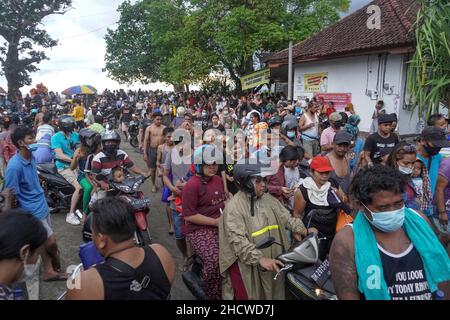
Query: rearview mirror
(265, 243)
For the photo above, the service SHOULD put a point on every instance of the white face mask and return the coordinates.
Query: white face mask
(405, 170)
(29, 270)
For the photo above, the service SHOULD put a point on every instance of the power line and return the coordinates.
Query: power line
(89, 32)
(82, 17)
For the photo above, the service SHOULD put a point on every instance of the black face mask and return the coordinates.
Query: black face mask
(432, 151)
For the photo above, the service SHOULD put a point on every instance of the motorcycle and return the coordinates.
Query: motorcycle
(58, 191)
(128, 190)
(133, 132)
(307, 277)
(109, 118)
(192, 277)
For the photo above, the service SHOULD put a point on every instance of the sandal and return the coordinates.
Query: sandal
(58, 277)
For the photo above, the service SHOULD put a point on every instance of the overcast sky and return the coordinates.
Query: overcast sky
(79, 56)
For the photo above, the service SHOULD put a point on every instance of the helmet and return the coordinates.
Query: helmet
(204, 154)
(243, 174)
(289, 125)
(66, 123)
(89, 138)
(277, 120)
(110, 135)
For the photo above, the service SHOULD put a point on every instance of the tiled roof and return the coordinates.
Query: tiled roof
(351, 34)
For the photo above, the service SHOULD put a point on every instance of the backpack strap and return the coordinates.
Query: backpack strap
(136, 274)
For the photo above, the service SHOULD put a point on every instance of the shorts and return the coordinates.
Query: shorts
(70, 175)
(177, 225)
(47, 223)
(152, 156)
(124, 127)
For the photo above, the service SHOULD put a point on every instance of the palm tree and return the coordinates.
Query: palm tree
(428, 80)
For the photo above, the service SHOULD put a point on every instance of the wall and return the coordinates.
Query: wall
(358, 75)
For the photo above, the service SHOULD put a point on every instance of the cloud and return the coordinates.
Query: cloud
(79, 56)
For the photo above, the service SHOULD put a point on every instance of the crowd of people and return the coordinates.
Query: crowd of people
(234, 170)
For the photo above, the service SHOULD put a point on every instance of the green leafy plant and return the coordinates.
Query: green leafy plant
(428, 81)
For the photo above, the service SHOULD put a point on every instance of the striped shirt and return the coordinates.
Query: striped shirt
(102, 164)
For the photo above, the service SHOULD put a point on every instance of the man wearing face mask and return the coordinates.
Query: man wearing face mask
(21, 176)
(390, 252)
(430, 143)
(326, 139)
(22, 239)
(63, 143)
(112, 156)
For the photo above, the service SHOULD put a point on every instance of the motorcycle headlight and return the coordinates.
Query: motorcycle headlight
(324, 295)
(125, 189)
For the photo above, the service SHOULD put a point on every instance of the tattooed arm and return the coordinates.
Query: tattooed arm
(342, 265)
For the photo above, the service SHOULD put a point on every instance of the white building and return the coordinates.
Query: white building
(351, 61)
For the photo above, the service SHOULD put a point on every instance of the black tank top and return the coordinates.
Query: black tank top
(405, 275)
(325, 224)
(147, 282)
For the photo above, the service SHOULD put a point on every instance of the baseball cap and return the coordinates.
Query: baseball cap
(386, 118)
(321, 164)
(342, 137)
(335, 117)
(436, 136)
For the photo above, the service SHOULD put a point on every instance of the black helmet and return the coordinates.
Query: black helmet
(110, 135)
(66, 123)
(89, 138)
(243, 174)
(277, 120)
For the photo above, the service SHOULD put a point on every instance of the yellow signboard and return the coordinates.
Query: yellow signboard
(316, 82)
(255, 79)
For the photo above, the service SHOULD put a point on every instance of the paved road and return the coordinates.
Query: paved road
(69, 239)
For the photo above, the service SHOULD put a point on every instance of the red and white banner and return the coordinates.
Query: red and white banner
(340, 100)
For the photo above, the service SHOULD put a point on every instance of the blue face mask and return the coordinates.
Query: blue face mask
(387, 221)
(291, 134)
(32, 147)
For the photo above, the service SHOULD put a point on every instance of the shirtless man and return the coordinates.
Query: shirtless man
(153, 137)
(39, 119)
(338, 160)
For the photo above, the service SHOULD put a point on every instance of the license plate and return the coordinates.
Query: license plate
(322, 273)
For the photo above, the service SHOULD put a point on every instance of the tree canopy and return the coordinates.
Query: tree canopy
(19, 26)
(189, 40)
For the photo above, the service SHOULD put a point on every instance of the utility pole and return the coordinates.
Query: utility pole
(290, 71)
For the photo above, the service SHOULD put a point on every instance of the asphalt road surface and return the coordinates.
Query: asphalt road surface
(69, 238)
